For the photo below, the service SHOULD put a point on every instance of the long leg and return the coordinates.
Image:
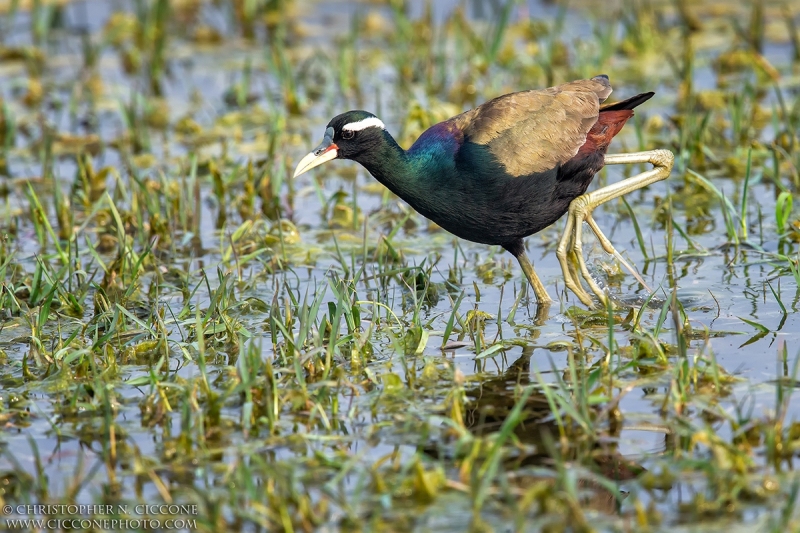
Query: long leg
(543, 300)
(581, 208)
(542, 297)
(517, 249)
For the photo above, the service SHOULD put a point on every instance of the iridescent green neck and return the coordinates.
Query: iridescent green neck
(415, 175)
(392, 166)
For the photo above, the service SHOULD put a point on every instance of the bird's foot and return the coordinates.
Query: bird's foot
(609, 249)
(580, 210)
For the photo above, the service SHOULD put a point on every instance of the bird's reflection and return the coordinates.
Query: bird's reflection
(490, 404)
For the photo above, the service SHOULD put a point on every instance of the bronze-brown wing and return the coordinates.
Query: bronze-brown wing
(534, 131)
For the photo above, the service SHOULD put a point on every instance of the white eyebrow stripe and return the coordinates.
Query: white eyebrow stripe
(371, 122)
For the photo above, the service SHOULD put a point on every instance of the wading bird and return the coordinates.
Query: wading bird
(507, 169)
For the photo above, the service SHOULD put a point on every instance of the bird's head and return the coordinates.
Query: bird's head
(347, 136)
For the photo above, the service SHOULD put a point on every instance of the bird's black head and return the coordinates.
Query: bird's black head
(356, 132)
(348, 136)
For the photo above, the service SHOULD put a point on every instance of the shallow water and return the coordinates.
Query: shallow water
(718, 285)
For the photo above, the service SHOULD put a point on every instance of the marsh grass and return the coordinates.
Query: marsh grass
(181, 323)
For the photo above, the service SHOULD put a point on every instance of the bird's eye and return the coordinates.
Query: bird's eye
(348, 134)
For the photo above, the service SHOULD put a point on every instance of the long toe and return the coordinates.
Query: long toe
(580, 210)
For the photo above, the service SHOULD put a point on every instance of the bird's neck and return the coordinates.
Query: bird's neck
(423, 174)
(388, 163)
(395, 168)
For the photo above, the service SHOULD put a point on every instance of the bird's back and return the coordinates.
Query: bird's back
(530, 132)
(511, 166)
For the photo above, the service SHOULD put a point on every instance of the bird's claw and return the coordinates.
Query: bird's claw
(580, 211)
(571, 241)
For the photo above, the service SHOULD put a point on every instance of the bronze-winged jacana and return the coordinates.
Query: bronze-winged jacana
(506, 169)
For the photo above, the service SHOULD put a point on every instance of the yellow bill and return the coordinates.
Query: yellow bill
(323, 153)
